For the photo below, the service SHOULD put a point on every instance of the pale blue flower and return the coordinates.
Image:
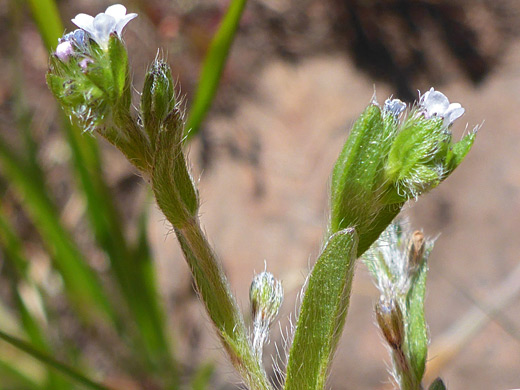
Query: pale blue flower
(113, 20)
(436, 104)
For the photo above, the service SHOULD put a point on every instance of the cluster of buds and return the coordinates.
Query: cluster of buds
(391, 157)
(398, 263)
(266, 297)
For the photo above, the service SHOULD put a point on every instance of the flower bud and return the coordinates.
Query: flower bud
(415, 249)
(266, 297)
(158, 97)
(390, 319)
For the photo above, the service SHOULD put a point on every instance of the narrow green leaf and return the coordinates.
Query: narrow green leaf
(11, 246)
(213, 66)
(323, 313)
(12, 378)
(47, 18)
(51, 362)
(417, 331)
(82, 286)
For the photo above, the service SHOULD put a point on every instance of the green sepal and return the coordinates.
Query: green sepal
(458, 151)
(99, 73)
(437, 384)
(322, 314)
(417, 156)
(118, 59)
(416, 348)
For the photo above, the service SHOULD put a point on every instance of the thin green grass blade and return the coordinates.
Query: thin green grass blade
(82, 285)
(47, 18)
(11, 246)
(14, 379)
(213, 66)
(322, 315)
(51, 362)
(149, 311)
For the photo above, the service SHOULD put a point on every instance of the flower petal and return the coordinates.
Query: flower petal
(435, 103)
(122, 23)
(84, 22)
(454, 111)
(103, 25)
(118, 11)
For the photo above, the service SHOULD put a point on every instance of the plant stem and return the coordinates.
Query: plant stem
(220, 303)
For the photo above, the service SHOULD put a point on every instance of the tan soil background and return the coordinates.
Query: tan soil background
(294, 84)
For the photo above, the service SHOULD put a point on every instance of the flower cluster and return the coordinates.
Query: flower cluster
(88, 72)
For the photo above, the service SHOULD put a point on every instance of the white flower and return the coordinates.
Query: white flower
(435, 103)
(114, 19)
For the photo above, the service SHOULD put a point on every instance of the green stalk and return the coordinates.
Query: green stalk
(220, 304)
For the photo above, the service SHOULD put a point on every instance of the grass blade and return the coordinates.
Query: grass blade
(51, 362)
(213, 67)
(82, 285)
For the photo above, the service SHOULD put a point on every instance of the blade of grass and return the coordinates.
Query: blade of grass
(14, 379)
(51, 362)
(11, 246)
(47, 18)
(82, 285)
(213, 66)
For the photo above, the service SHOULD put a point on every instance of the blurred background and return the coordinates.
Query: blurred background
(299, 73)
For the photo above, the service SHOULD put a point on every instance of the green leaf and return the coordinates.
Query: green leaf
(416, 329)
(357, 184)
(213, 66)
(323, 313)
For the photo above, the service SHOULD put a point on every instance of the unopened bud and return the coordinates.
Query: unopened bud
(266, 296)
(390, 320)
(416, 246)
(158, 97)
